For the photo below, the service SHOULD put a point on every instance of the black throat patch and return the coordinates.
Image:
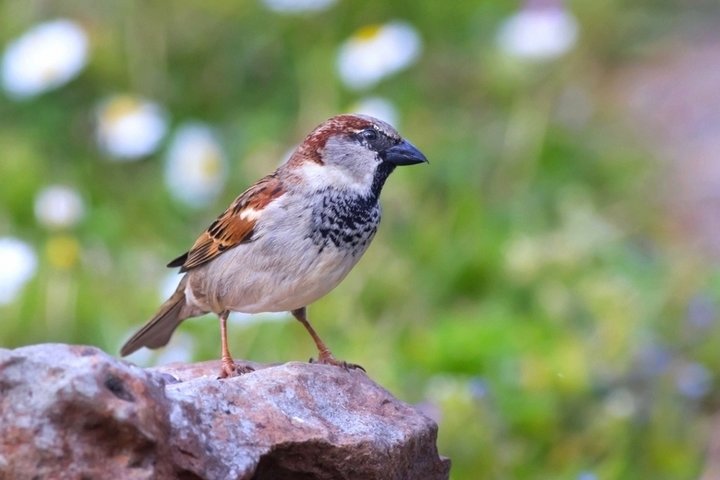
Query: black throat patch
(344, 221)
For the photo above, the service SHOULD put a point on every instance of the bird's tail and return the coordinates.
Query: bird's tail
(156, 332)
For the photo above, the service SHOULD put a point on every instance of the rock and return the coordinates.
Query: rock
(76, 412)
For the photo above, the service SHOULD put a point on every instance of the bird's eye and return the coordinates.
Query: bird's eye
(370, 134)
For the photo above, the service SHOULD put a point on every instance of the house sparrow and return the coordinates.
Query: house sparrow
(291, 237)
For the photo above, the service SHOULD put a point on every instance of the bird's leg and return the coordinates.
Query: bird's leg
(324, 354)
(228, 364)
(228, 367)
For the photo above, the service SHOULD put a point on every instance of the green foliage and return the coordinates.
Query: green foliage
(521, 285)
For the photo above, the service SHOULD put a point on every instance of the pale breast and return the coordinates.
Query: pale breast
(297, 255)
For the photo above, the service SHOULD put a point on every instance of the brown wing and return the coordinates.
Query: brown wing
(234, 226)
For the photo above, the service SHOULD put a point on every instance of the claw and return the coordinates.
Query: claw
(330, 360)
(230, 369)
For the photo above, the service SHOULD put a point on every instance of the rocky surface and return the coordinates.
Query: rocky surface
(76, 412)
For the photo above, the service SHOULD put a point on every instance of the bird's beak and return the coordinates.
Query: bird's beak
(404, 153)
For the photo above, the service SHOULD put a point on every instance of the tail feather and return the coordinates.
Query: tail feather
(156, 332)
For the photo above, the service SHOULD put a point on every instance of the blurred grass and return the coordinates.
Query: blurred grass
(522, 284)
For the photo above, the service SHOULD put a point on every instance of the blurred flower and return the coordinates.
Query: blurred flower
(377, 107)
(524, 257)
(129, 127)
(298, 6)
(376, 51)
(63, 251)
(584, 232)
(653, 359)
(195, 165)
(58, 206)
(542, 30)
(45, 57)
(479, 388)
(620, 403)
(19, 263)
(693, 380)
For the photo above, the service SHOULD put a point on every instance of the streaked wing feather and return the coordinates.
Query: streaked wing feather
(234, 226)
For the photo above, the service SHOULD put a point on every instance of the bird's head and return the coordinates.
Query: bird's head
(353, 152)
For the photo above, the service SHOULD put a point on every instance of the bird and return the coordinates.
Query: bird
(290, 238)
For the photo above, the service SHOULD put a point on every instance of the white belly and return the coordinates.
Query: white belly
(305, 276)
(270, 275)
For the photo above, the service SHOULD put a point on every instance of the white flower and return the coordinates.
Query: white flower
(376, 51)
(377, 107)
(298, 6)
(19, 263)
(538, 32)
(58, 206)
(195, 165)
(45, 57)
(129, 127)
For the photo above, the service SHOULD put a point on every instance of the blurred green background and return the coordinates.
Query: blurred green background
(546, 288)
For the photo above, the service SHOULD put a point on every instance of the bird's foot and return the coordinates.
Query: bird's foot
(229, 368)
(327, 358)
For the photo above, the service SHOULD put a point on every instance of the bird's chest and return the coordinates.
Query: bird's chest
(345, 222)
